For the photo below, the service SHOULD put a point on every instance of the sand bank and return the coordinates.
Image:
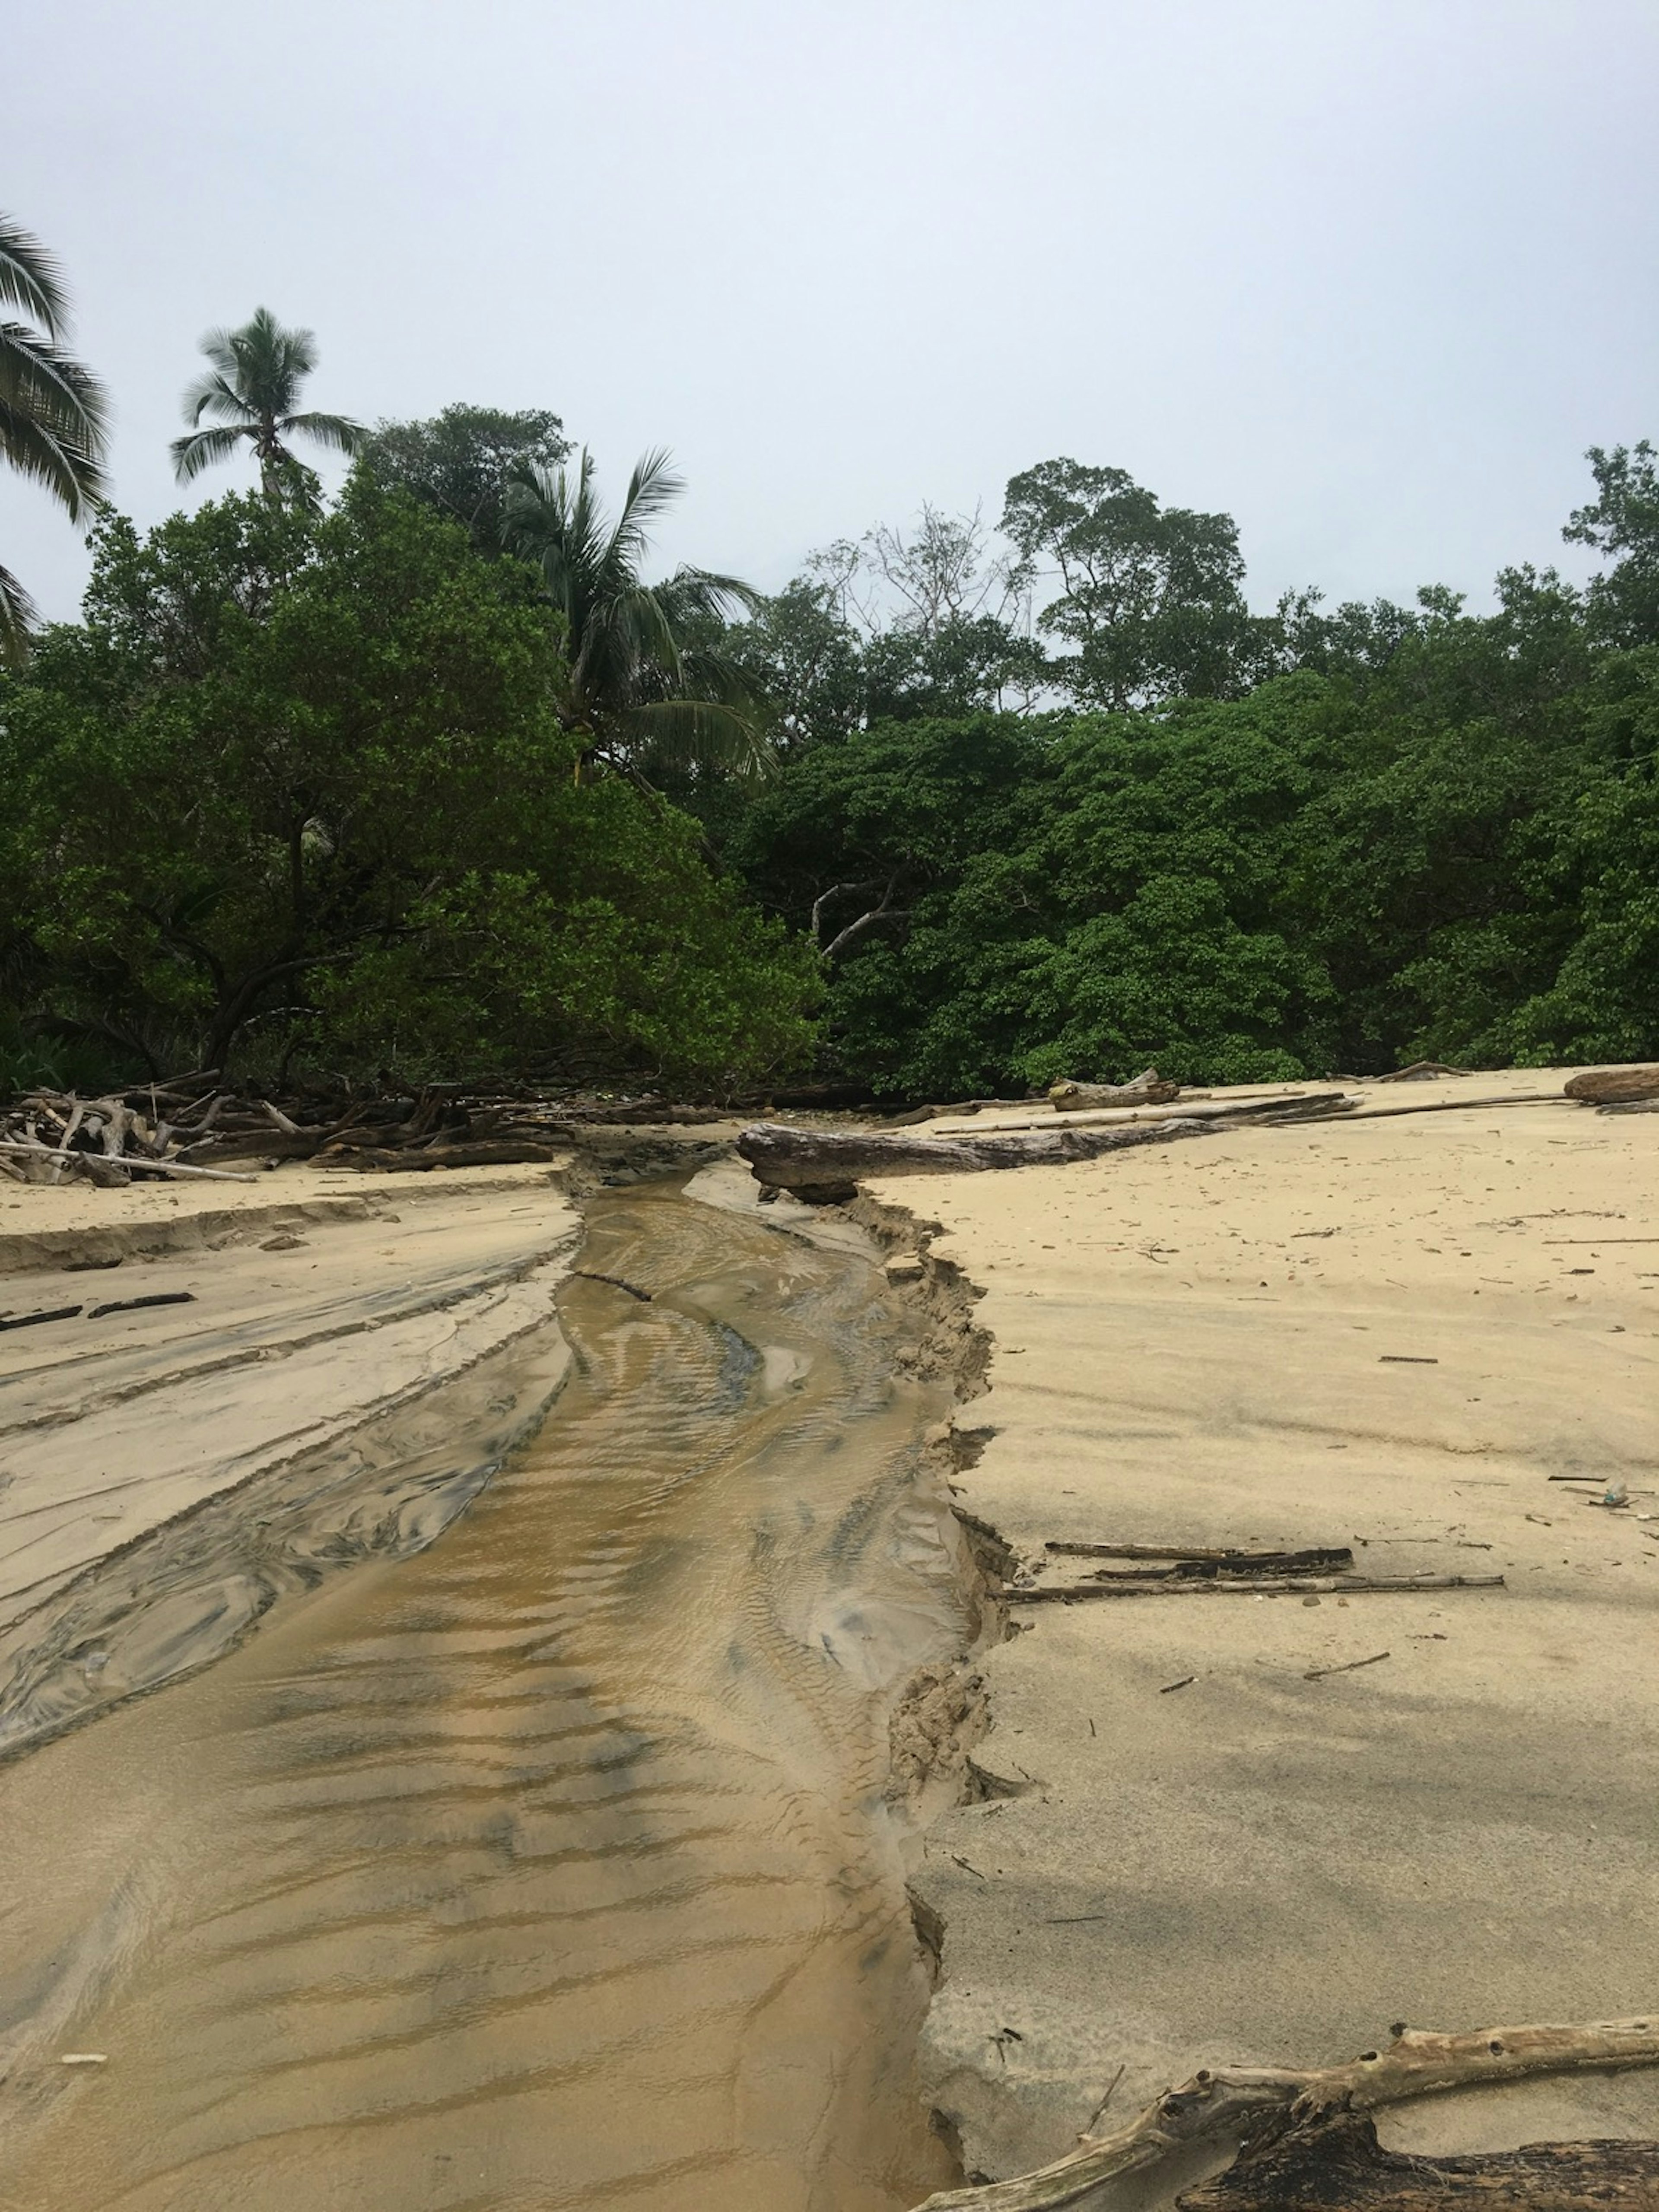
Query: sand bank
(348, 1355)
(1388, 1332)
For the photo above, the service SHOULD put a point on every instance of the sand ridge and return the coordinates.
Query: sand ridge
(208, 1340)
(1387, 1332)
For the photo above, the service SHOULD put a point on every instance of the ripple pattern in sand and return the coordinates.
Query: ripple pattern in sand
(550, 1867)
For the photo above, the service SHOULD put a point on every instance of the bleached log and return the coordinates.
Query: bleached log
(1230, 2101)
(1149, 1088)
(136, 1163)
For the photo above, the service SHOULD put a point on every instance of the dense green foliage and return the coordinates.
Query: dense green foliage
(296, 785)
(460, 462)
(436, 780)
(1307, 843)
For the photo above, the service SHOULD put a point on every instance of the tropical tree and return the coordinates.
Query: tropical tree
(459, 461)
(251, 392)
(295, 786)
(1151, 598)
(54, 413)
(645, 688)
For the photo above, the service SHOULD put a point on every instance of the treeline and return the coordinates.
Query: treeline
(430, 781)
(1150, 824)
(296, 792)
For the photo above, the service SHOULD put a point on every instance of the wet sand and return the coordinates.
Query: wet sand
(1387, 1332)
(208, 1395)
(550, 1866)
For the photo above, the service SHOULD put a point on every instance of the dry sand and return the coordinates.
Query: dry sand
(1388, 1332)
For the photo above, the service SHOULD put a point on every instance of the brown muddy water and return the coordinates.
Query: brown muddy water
(550, 1867)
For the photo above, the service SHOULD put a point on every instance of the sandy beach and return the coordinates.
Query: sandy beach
(1199, 1828)
(318, 1351)
(1195, 1841)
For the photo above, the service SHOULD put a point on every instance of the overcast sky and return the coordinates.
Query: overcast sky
(1368, 273)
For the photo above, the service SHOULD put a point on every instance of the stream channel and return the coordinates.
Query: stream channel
(550, 1867)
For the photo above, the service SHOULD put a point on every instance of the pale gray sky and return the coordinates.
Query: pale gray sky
(1370, 274)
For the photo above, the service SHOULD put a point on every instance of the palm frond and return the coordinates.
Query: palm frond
(53, 418)
(296, 348)
(18, 617)
(702, 733)
(30, 278)
(653, 488)
(249, 368)
(337, 432)
(634, 680)
(202, 448)
(52, 457)
(547, 521)
(692, 592)
(709, 675)
(49, 444)
(215, 395)
(643, 629)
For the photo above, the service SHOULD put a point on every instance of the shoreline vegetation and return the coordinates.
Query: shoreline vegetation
(431, 780)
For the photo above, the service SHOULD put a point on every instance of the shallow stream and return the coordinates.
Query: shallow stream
(550, 1867)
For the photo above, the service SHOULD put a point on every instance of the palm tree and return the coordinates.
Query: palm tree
(54, 417)
(645, 687)
(251, 392)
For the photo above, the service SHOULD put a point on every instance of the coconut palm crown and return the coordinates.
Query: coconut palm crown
(250, 393)
(54, 417)
(645, 688)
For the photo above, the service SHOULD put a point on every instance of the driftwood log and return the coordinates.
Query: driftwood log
(823, 1165)
(1148, 1089)
(1205, 1560)
(1282, 1106)
(1422, 1071)
(1236, 2102)
(1335, 2160)
(488, 1153)
(1611, 1086)
(1170, 1583)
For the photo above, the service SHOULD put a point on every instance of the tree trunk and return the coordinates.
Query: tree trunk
(1607, 1086)
(823, 1165)
(1334, 2163)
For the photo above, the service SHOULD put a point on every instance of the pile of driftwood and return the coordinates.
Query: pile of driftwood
(191, 1126)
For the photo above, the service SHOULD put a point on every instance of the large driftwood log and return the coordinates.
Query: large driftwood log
(1608, 1086)
(128, 1162)
(1245, 1585)
(825, 1165)
(487, 1153)
(1235, 2101)
(1149, 1088)
(1205, 1560)
(1335, 2160)
(1283, 1106)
